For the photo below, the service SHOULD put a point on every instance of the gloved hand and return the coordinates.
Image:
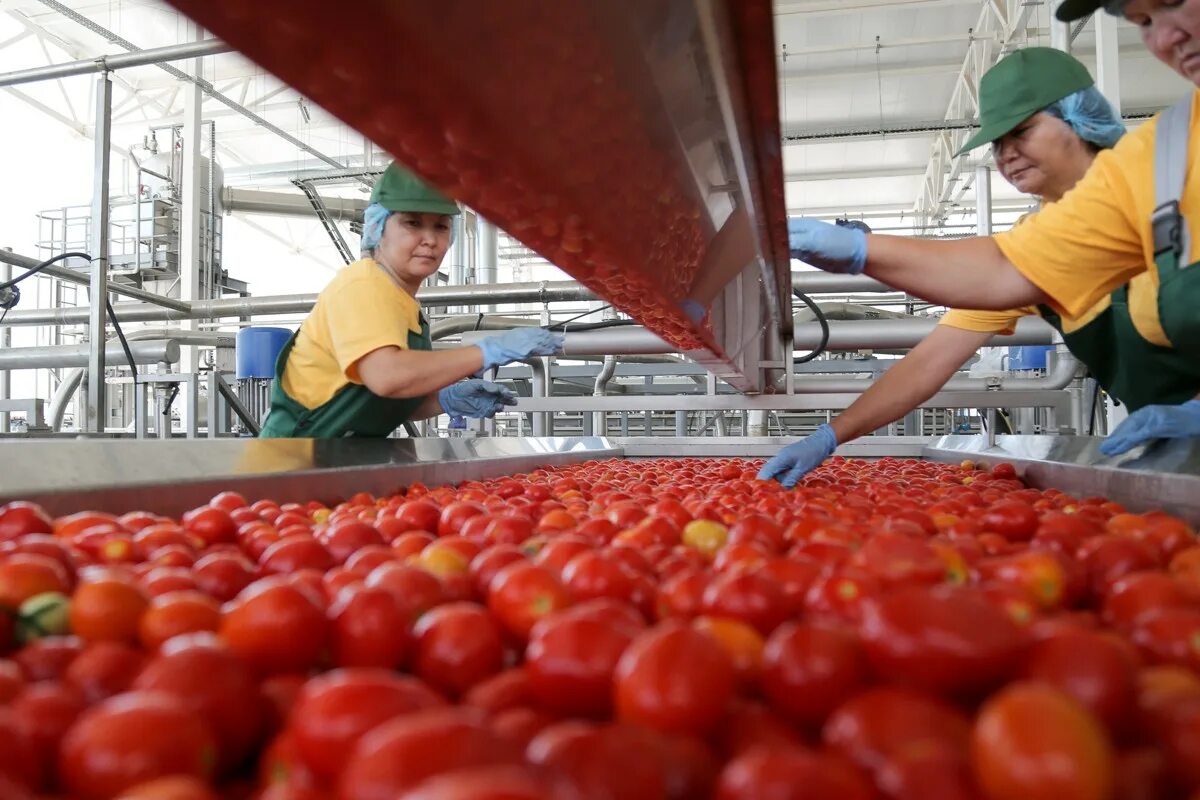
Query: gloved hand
(475, 398)
(833, 248)
(693, 310)
(799, 458)
(518, 344)
(1153, 422)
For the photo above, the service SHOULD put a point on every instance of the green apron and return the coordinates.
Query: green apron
(1132, 369)
(354, 411)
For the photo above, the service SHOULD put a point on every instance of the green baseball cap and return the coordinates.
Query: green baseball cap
(399, 190)
(1071, 10)
(1022, 84)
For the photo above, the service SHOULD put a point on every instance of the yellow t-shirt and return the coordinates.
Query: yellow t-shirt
(1098, 236)
(361, 310)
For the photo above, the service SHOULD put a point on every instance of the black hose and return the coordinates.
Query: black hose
(821, 320)
(36, 269)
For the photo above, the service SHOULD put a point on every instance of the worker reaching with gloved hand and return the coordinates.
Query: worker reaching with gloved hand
(362, 362)
(1046, 122)
(1136, 211)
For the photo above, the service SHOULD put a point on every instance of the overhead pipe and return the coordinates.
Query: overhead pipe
(284, 204)
(77, 355)
(280, 305)
(832, 283)
(139, 58)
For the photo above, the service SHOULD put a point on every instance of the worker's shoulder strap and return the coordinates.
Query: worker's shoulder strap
(1170, 171)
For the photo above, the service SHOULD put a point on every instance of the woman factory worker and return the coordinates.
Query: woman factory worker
(362, 364)
(1044, 152)
(1137, 210)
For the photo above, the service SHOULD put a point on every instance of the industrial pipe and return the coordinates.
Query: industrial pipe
(284, 204)
(277, 305)
(464, 323)
(904, 333)
(139, 58)
(540, 387)
(77, 355)
(72, 276)
(832, 283)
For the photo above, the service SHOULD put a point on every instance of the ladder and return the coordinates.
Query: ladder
(331, 227)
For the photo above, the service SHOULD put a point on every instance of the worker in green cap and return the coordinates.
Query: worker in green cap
(362, 364)
(1136, 211)
(1046, 122)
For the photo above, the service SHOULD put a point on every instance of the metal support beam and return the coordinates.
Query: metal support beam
(190, 253)
(95, 410)
(140, 58)
(983, 200)
(82, 278)
(204, 85)
(5, 345)
(1108, 76)
(1060, 32)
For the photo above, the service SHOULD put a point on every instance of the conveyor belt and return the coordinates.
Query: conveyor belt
(171, 477)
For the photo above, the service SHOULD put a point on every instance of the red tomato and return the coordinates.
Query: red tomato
(523, 593)
(458, 645)
(130, 739)
(213, 683)
(369, 629)
(1172, 635)
(418, 515)
(48, 659)
(415, 590)
(489, 562)
(1012, 519)
(455, 515)
(1109, 558)
(335, 710)
(1032, 742)
(294, 553)
(876, 723)
(19, 518)
(275, 627)
(104, 669)
(498, 782)
(750, 597)
(399, 755)
(586, 753)
(24, 575)
(344, 539)
(18, 758)
(212, 525)
(674, 679)
(11, 680)
(44, 712)
(590, 575)
(223, 575)
(792, 773)
(927, 771)
(944, 638)
(809, 670)
(176, 613)
(511, 688)
(571, 660)
(1141, 594)
(1097, 670)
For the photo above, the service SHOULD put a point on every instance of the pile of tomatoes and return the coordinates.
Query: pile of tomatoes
(614, 630)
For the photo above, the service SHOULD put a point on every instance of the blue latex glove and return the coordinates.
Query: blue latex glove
(518, 344)
(800, 458)
(1154, 422)
(833, 248)
(693, 310)
(475, 398)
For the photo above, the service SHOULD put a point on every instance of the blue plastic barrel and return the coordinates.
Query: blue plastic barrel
(257, 349)
(1029, 356)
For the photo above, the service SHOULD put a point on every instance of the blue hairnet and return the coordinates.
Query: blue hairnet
(1090, 116)
(374, 218)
